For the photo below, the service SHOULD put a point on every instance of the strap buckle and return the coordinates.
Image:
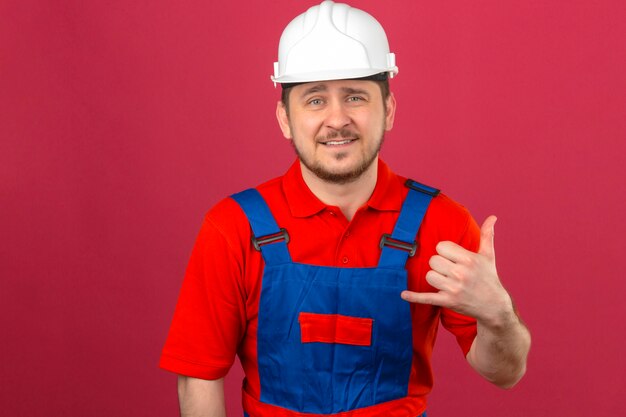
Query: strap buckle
(414, 185)
(387, 240)
(274, 237)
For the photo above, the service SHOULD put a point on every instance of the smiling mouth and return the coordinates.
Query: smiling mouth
(338, 142)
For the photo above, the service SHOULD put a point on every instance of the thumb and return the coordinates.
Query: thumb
(486, 237)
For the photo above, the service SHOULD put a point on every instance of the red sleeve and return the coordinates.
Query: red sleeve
(463, 327)
(210, 318)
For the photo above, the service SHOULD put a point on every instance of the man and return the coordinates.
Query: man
(330, 282)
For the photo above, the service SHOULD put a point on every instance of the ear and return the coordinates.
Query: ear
(283, 119)
(390, 106)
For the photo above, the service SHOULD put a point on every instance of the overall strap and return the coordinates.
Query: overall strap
(397, 247)
(267, 236)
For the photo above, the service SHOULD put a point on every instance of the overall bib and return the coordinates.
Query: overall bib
(333, 339)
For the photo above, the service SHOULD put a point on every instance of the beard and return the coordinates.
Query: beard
(368, 158)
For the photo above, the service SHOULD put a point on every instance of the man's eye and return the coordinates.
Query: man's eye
(355, 98)
(315, 101)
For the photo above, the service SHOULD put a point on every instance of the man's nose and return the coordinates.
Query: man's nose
(337, 117)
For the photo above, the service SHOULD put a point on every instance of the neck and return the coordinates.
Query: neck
(349, 197)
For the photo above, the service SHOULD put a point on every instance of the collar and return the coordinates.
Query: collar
(388, 194)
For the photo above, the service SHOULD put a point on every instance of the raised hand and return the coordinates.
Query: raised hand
(468, 282)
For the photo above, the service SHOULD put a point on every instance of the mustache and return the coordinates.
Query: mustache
(342, 133)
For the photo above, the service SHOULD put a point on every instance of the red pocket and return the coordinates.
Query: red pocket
(335, 328)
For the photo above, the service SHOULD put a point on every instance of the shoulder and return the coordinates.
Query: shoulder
(444, 206)
(445, 218)
(442, 209)
(228, 220)
(443, 212)
(448, 220)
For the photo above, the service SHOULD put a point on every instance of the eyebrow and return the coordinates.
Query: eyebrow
(349, 90)
(314, 89)
(322, 88)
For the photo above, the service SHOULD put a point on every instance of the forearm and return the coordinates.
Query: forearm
(500, 349)
(201, 398)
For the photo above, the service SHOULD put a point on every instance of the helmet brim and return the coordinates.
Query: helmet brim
(333, 75)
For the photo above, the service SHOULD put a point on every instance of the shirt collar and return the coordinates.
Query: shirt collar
(388, 194)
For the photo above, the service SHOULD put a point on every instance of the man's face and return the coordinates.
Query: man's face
(337, 127)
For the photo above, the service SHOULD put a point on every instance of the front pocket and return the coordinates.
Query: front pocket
(335, 328)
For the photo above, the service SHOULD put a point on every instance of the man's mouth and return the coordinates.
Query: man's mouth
(338, 142)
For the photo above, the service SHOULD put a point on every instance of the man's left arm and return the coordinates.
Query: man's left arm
(468, 283)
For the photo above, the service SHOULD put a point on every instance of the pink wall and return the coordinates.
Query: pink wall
(122, 122)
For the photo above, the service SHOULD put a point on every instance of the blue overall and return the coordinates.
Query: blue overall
(334, 339)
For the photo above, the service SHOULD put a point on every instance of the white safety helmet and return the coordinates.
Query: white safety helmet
(332, 41)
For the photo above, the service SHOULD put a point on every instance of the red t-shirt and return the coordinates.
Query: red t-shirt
(216, 315)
